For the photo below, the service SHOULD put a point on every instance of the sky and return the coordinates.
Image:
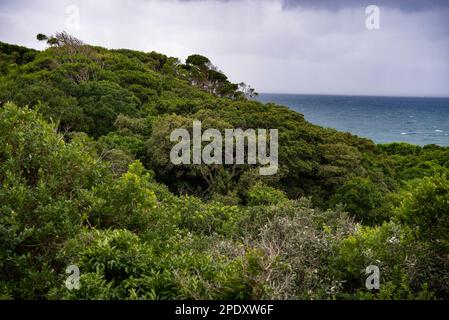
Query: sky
(277, 46)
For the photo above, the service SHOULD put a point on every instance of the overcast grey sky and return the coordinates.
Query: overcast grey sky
(304, 46)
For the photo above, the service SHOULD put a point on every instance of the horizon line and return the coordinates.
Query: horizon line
(360, 95)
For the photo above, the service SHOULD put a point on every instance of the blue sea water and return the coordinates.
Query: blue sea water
(418, 121)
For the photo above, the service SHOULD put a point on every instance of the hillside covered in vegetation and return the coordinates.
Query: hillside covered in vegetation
(86, 180)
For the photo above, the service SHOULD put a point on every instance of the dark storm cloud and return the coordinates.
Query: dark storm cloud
(404, 5)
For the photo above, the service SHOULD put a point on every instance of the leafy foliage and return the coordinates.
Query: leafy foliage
(85, 179)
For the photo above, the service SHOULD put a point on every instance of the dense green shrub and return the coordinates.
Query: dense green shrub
(361, 197)
(425, 211)
(44, 185)
(117, 264)
(86, 179)
(260, 194)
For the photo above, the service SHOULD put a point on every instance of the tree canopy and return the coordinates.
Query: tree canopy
(85, 179)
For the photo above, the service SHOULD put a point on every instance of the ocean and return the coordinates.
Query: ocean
(413, 120)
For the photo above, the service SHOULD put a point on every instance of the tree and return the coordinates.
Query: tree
(205, 75)
(361, 196)
(199, 61)
(247, 91)
(41, 37)
(426, 210)
(53, 42)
